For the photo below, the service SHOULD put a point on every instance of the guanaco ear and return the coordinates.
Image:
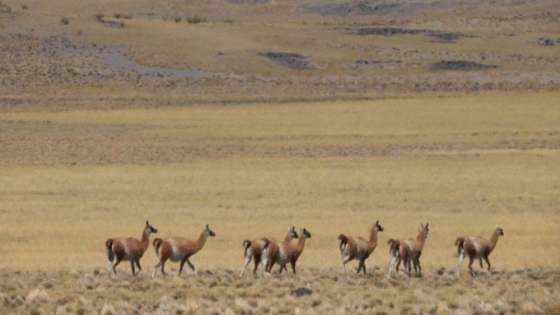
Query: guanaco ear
(207, 226)
(147, 223)
(427, 224)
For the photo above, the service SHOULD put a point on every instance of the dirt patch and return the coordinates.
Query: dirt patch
(459, 65)
(288, 60)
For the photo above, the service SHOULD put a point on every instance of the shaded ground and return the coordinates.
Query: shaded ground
(402, 8)
(436, 36)
(459, 65)
(289, 60)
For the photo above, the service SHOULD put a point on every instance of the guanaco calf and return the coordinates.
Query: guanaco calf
(477, 247)
(128, 249)
(179, 249)
(358, 247)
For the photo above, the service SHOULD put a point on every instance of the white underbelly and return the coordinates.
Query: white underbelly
(360, 252)
(412, 253)
(176, 255)
(128, 254)
(282, 257)
(479, 253)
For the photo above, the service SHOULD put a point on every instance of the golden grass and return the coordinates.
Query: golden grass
(73, 179)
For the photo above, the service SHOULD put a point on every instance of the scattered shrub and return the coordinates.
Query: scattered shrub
(64, 21)
(24, 6)
(117, 15)
(99, 17)
(194, 19)
(5, 8)
(177, 19)
(228, 20)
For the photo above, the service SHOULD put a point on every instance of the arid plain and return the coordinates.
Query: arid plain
(262, 115)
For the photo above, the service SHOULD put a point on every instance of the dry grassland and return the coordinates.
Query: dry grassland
(72, 179)
(327, 115)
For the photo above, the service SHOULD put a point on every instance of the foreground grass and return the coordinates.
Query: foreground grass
(220, 291)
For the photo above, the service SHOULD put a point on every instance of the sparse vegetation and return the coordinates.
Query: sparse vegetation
(4, 8)
(177, 19)
(64, 20)
(375, 294)
(24, 7)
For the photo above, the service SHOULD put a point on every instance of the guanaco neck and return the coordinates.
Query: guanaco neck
(421, 238)
(289, 236)
(200, 242)
(301, 243)
(145, 242)
(373, 237)
(493, 240)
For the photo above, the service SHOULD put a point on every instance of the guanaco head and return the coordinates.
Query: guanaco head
(378, 226)
(209, 232)
(306, 233)
(500, 230)
(424, 229)
(150, 229)
(293, 231)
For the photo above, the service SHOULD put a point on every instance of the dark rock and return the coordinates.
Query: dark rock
(299, 292)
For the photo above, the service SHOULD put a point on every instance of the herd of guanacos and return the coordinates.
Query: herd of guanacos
(267, 251)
